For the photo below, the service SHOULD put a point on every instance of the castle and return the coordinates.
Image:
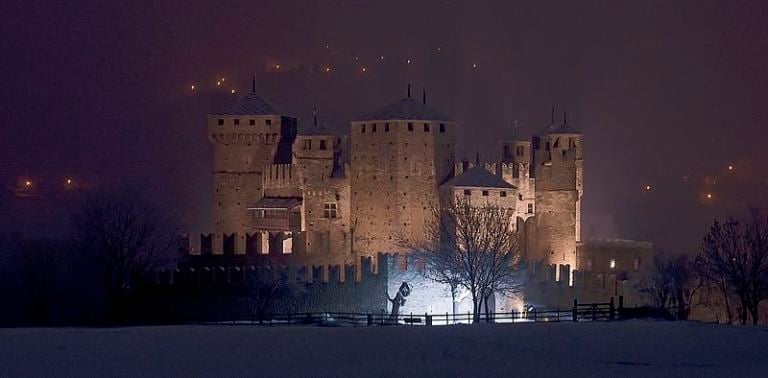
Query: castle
(318, 199)
(334, 198)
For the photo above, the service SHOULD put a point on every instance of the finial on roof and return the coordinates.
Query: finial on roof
(314, 115)
(565, 117)
(253, 84)
(552, 117)
(477, 159)
(515, 131)
(409, 90)
(424, 96)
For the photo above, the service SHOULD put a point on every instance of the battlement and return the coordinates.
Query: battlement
(280, 176)
(232, 269)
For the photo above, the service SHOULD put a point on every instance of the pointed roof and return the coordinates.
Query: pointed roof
(252, 104)
(406, 109)
(479, 177)
(555, 129)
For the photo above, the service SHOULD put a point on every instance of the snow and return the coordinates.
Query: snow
(631, 348)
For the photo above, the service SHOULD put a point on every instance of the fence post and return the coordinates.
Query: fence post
(594, 312)
(621, 306)
(369, 319)
(411, 318)
(446, 318)
(469, 320)
(575, 311)
(534, 315)
(612, 316)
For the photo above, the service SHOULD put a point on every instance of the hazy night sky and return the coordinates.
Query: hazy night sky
(668, 93)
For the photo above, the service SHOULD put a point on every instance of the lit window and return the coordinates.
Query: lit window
(330, 210)
(613, 263)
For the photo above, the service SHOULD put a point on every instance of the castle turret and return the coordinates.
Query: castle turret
(557, 169)
(400, 155)
(247, 136)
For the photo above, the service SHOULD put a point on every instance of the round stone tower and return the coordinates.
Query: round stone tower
(247, 136)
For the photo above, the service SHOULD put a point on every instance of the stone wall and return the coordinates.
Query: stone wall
(396, 168)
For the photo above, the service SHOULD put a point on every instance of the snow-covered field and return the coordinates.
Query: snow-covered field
(632, 348)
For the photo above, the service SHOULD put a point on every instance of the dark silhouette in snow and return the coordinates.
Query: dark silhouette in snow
(398, 300)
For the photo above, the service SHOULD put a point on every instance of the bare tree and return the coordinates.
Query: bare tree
(265, 284)
(672, 284)
(734, 257)
(472, 247)
(125, 237)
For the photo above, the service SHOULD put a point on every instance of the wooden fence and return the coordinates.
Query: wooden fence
(600, 311)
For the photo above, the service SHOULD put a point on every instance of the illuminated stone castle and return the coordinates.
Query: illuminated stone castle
(320, 198)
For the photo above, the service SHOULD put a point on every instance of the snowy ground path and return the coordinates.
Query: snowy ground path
(633, 348)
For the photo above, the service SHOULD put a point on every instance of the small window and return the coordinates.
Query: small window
(373, 128)
(330, 210)
(530, 208)
(520, 197)
(322, 145)
(426, 127)
(442, 127)
(221, 121)
(467, 192)
(237, 121)
(410, 126)
(269, 122)
(362, 130)
(307, 144)
(386, 127)
(502, 193)
(485, 193)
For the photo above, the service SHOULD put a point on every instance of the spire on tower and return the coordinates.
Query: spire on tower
(314, 116)
(424, 96)
(565, 117)
(552, 117)
(409, 90)
(477, 159)
(253, 84)
(515, 129)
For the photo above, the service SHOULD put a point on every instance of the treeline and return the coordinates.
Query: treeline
(87, 277)
(727, 277)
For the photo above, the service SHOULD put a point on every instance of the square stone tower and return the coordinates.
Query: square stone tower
(400, 154)
(558, 170)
